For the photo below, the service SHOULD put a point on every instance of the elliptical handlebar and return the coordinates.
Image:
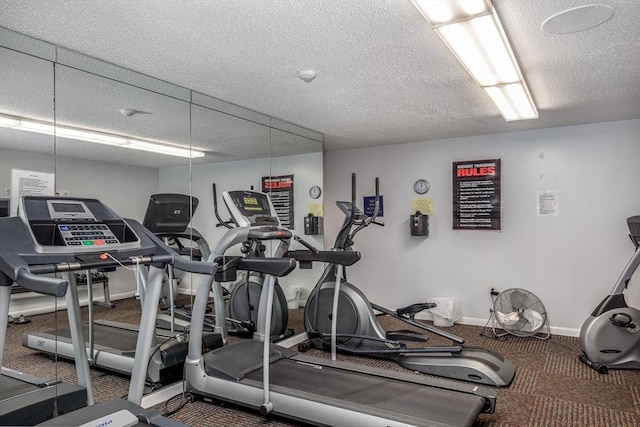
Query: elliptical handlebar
(306, 244)
(366, 220)
(221, 223)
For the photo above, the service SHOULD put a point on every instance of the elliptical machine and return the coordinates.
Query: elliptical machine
(244, 294)
(347, 321)
(610, 337)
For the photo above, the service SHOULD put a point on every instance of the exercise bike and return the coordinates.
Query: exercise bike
(610, 337)
(339, 317)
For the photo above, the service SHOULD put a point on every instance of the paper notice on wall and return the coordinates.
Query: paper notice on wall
(29, 183)
(315, 208)
(548, 203)
(424, 206)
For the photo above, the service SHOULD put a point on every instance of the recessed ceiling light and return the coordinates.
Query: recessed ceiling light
(577, 19)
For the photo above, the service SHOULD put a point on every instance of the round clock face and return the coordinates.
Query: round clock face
(315, 192)
(421, 186)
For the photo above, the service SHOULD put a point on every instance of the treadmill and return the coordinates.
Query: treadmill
(111, 345)
(27, 399)
(43, 240)
(276, 380)
(168, 216)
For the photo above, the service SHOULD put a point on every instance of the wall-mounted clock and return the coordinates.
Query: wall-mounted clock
(315, 192)
(421, 186)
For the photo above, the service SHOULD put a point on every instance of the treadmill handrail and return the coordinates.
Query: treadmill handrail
(41, 284)
(14, 269)
(179, 262)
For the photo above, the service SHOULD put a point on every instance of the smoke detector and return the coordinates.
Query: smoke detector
(307, 75)
(128, 112)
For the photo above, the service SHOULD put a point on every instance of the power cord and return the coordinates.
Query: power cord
(183, 396)
(167, 413)
(492, 295)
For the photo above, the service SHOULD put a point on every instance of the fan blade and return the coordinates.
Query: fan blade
(534, 318)
(517, 297)
(508, 319)
(516, 327)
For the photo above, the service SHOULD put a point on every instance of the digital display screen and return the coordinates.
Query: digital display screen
(67, 207)
(254, 204)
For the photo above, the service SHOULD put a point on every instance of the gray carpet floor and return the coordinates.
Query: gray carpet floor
(551, 387)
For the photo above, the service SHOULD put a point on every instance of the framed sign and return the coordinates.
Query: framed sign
(477, 197)
(280, 191)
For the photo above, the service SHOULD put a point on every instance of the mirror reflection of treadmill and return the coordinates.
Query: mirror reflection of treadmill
(168, 216)
(4, 208)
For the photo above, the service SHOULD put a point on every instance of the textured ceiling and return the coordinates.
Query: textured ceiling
(383, 75)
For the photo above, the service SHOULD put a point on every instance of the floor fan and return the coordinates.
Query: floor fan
(519, 312)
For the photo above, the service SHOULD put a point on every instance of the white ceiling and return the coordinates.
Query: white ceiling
(384, 76)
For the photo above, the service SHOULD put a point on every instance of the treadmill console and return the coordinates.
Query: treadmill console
(59, 225)
(169, 213)
(250, 208)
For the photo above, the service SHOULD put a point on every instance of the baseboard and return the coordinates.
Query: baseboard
(473, 321)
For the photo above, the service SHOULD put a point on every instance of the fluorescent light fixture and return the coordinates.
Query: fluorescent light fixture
(35, 126)
(472, 30)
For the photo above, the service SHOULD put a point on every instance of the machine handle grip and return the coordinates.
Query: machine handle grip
(41, 284)
(269, 234)
(190, 266)
(346, 258)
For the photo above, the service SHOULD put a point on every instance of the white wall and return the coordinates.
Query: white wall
(125, 189)
(570, 261)
(306, 170)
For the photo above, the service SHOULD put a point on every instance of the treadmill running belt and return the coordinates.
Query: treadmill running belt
(10, 387)
(22, 403)
(434, 404)
(120, 339)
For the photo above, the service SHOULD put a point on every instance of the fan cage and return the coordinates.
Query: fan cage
(515, 310)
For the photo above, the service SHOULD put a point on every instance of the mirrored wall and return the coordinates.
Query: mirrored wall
(93, 122)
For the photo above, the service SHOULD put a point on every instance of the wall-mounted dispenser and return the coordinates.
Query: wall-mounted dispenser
(419, 224)
(312, 224)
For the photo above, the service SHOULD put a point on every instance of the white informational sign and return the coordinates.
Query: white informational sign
(29, 183)
(548, 203)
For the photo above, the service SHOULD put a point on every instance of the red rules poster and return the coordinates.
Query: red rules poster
(477, 202)
(280, 190)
